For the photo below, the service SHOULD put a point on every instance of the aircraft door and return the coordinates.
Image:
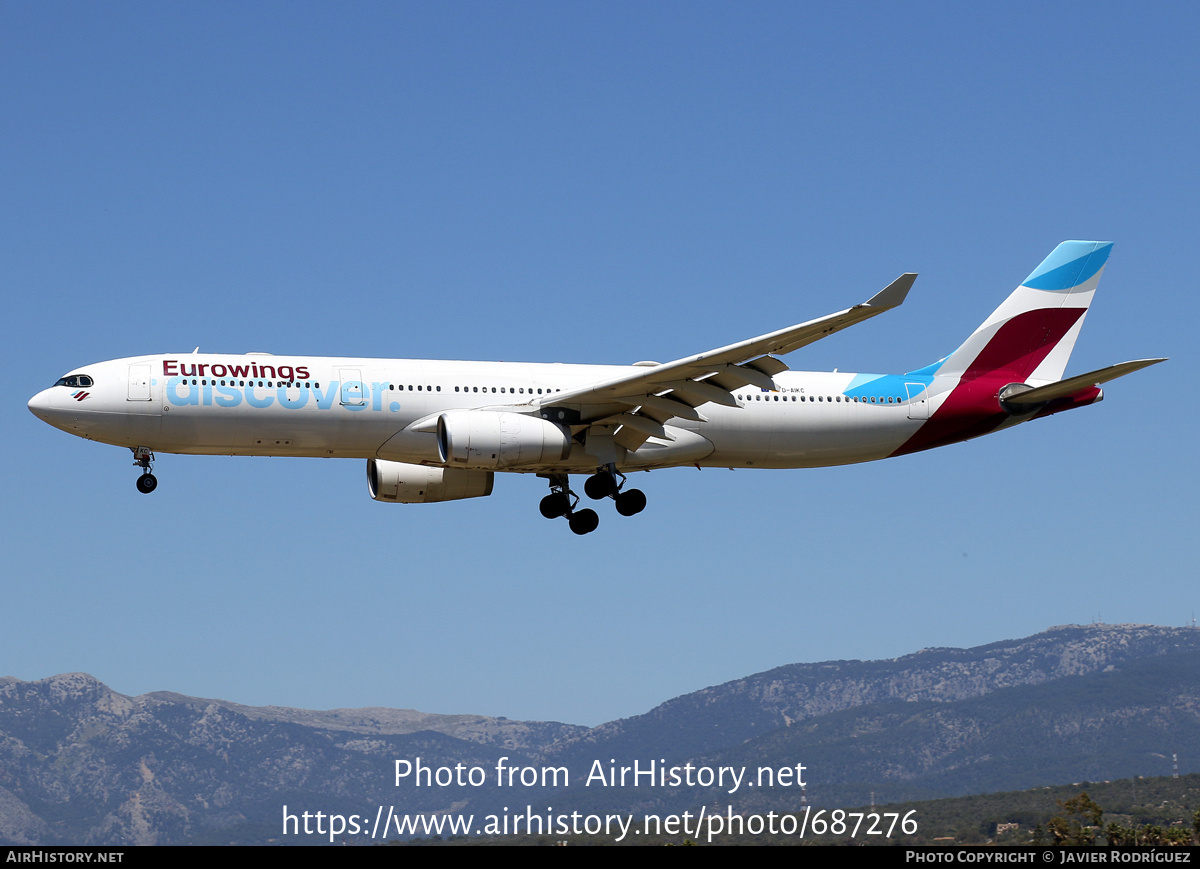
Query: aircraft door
(351, 390)
(918, 400)
(139, 382)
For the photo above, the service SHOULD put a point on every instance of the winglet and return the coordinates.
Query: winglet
(893, 295)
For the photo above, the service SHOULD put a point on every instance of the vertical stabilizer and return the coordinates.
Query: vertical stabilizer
(1029, 338)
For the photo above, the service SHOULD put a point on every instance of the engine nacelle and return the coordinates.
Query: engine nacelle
(400, 482)
(490, 439)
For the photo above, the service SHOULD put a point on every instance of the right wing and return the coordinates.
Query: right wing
(642, 401)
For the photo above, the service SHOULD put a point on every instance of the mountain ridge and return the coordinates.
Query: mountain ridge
(81, 763)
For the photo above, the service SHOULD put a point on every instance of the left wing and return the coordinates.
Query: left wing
(640, 402)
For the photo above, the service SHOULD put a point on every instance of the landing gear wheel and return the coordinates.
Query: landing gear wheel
(631, 502)
(599, 486)
(554, 505)
(147, 483)
(584, 521)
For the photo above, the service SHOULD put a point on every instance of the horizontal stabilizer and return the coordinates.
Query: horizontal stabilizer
(1071, 385)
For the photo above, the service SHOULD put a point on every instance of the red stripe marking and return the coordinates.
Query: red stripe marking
(1020, 345)
(1015, 351)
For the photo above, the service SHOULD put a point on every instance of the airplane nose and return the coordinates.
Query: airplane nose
(40, 406)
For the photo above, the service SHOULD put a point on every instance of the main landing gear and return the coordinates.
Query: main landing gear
(603, 484)
(562, 502)
(143, 458)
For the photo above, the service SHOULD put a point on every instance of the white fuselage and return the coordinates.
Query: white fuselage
(258, 404)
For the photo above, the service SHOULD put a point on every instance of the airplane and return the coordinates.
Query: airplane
(440, 430)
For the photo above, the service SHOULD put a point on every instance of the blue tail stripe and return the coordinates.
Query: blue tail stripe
(1069, 265)
(884, 385)
(928, 370)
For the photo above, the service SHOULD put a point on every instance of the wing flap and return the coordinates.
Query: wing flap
(669, 405)
(737, 376)
(767, 365)
(698, 392)
(640, 423)
(630, 438)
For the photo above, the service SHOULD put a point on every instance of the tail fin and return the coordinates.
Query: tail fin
(1031, 335)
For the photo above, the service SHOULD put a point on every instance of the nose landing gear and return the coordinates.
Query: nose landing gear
(143, 458)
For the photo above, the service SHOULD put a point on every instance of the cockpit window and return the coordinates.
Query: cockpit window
(74, 380)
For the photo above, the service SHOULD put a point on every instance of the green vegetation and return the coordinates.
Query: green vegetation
(1141, 811)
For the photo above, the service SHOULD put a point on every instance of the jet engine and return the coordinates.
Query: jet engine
(417, 484)
(490, 439)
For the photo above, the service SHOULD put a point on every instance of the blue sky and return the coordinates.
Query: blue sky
(588, 183)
